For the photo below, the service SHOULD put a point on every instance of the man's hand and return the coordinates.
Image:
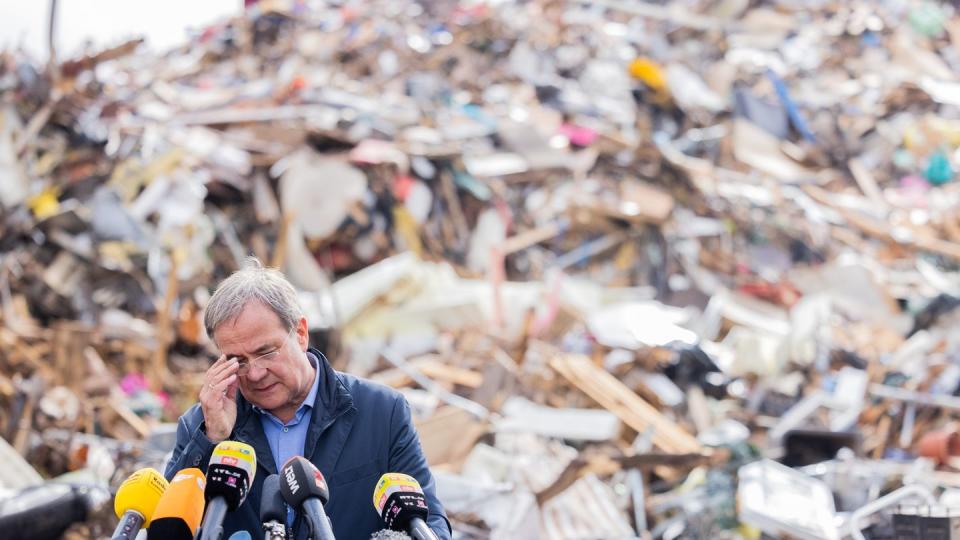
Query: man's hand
(218, 399)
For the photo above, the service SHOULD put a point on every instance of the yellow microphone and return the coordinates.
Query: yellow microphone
(136, 501)
(400, 501)
(230, 473)
(180, 509)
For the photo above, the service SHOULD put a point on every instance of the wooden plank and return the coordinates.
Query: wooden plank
(449, 191)
(129, 417)
(164, 326)
(449, 435)
(610, 393)
(867, 183)
(437, 370)
(434, 368)
(641, 202)
(280, 251)
(880, 230)
(534, 236)
(620, 404)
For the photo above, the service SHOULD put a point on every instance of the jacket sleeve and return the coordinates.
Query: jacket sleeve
(193, 448)
(407, 457)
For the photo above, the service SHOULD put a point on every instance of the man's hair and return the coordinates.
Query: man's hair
(252, 283)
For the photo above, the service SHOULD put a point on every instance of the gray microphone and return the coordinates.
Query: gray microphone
(273, 511)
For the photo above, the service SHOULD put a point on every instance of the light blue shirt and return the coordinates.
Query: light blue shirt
(288, 440)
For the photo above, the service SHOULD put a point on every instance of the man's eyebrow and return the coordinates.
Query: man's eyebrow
(264, 348)
(256, 352)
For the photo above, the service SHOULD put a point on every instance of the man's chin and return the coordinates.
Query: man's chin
(266, 399)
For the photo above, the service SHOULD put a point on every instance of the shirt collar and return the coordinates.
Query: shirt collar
(312, 396)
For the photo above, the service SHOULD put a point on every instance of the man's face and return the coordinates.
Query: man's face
(279, 381)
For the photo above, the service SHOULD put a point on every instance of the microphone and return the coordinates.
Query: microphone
(303, 487)
(136, 500)
(232, 468)
(400, 501)
(273, 511)
(46, 511)
(180, 509)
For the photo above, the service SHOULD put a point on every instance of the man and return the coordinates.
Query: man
(271, 390)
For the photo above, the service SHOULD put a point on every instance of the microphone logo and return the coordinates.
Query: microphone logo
(180, 477)
(291, 480)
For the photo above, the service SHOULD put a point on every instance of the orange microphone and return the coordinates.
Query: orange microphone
(180, 509)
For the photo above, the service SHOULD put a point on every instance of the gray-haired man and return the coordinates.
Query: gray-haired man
(272, 391)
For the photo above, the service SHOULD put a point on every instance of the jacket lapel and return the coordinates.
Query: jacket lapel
(332, 419)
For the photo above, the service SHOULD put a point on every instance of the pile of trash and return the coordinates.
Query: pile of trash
(669, 270)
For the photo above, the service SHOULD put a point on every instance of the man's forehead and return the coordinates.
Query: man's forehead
(254, 318)
(231, 342)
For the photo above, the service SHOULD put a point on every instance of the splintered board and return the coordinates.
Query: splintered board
(609, 392)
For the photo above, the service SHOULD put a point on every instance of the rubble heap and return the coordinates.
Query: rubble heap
(658, 270)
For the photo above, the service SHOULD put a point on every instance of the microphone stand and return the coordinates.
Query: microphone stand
(274, 530)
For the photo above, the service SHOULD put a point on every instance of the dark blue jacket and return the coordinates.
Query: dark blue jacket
(358, 431)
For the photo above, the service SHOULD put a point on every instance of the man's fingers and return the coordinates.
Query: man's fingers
(220, 366)
(215, 377)
(217, 382)
(222, 386)
(229, 380)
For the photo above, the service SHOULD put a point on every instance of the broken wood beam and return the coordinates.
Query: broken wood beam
(534, 236)
(432, 367)
(614, 396)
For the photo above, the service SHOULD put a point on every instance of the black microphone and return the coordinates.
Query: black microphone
(232, 468)
(46, 511)
(303, 487)
(400, 501)
(273, 511)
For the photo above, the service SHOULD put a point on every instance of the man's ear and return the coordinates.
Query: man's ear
(303, 334)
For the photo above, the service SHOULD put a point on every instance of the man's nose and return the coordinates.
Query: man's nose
(255, 372)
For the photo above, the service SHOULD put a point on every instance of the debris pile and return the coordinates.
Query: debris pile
(668, 270)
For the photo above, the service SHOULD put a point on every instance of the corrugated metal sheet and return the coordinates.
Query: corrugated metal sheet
(585, 511)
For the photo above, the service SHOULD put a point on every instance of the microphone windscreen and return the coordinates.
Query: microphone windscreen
(398, 498)
(180, 509)
(169, 528)
(140, 492)
(228, 482)
(391, 483)
(272, 507)
(230, 473)
(301, 480)
(236, 454)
